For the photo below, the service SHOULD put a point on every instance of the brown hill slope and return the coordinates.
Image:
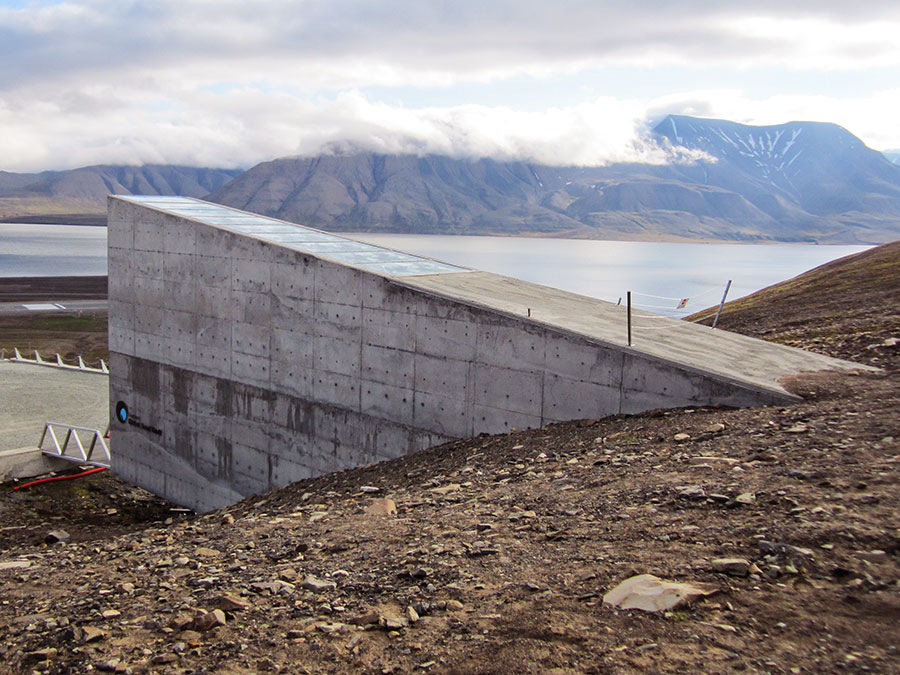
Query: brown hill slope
(54, 196)
(845, 308)
(502, 547)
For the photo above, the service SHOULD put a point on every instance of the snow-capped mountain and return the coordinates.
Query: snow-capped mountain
(769, 152)
(821, 168)
(801, 181)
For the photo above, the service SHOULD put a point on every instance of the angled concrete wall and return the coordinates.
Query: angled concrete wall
(247, 364)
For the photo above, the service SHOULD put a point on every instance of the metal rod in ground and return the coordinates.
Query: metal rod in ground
(628, 294)
(722, 304)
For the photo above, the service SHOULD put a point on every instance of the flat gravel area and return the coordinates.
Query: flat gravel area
(31, 395)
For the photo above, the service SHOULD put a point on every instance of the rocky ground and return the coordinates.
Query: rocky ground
(493, 555)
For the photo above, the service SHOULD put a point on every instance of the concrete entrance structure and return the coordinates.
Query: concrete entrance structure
(248, 353)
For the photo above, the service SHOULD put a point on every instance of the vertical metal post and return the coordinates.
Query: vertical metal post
(628, 294)
(722, 304)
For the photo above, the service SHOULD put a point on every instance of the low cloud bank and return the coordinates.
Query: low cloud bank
(245, 126)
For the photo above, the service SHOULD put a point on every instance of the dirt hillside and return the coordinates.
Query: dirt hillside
(502, 547)
(842, 308)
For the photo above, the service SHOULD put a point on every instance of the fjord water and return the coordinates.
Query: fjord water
(51, 250)
(601, 269)
(608, 269)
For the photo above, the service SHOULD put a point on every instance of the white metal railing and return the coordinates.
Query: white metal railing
(73, 448)
(53, 363)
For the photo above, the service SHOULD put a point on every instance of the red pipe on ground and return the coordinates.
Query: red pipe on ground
(49, 480)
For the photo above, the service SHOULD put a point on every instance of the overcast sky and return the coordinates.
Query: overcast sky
(229, 83)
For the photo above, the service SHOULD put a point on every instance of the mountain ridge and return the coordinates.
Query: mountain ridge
(83, 190)
(799, 181)
(793, 182)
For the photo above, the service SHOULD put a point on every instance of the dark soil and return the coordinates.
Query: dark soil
(95, 507)
(69, 334)
(504, 546)
(98, 219)
(49, 333)
(37, 289)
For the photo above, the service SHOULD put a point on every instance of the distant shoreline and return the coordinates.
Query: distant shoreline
(28, 289)
(99, 220)
(91, 219)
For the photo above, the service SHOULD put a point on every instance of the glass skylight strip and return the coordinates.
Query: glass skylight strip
(161, 198)
(413, 268)
(369, 257)
(238, 220)
(366, 256)
(298, 237)
(332, 246)
(269, 227)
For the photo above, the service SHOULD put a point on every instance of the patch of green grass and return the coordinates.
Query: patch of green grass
(87, 322)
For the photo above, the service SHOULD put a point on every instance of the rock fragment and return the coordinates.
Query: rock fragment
(446, 489)
(56, 537)
(92, 634)
(392, 622)
(208, 621)
(382, 507)
(231, 603)
(366, 619)
(712, 459)
(652, 594)
(14, 565)
(778, 547)
(316, 585)
(692, 492)
(873, 556)
(42, 654)
(736, 567)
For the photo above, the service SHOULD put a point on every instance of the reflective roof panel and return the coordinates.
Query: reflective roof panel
(348, 251)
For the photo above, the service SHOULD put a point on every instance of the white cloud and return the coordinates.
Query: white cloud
(346, 43)
(246, 126)
(231, 82)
